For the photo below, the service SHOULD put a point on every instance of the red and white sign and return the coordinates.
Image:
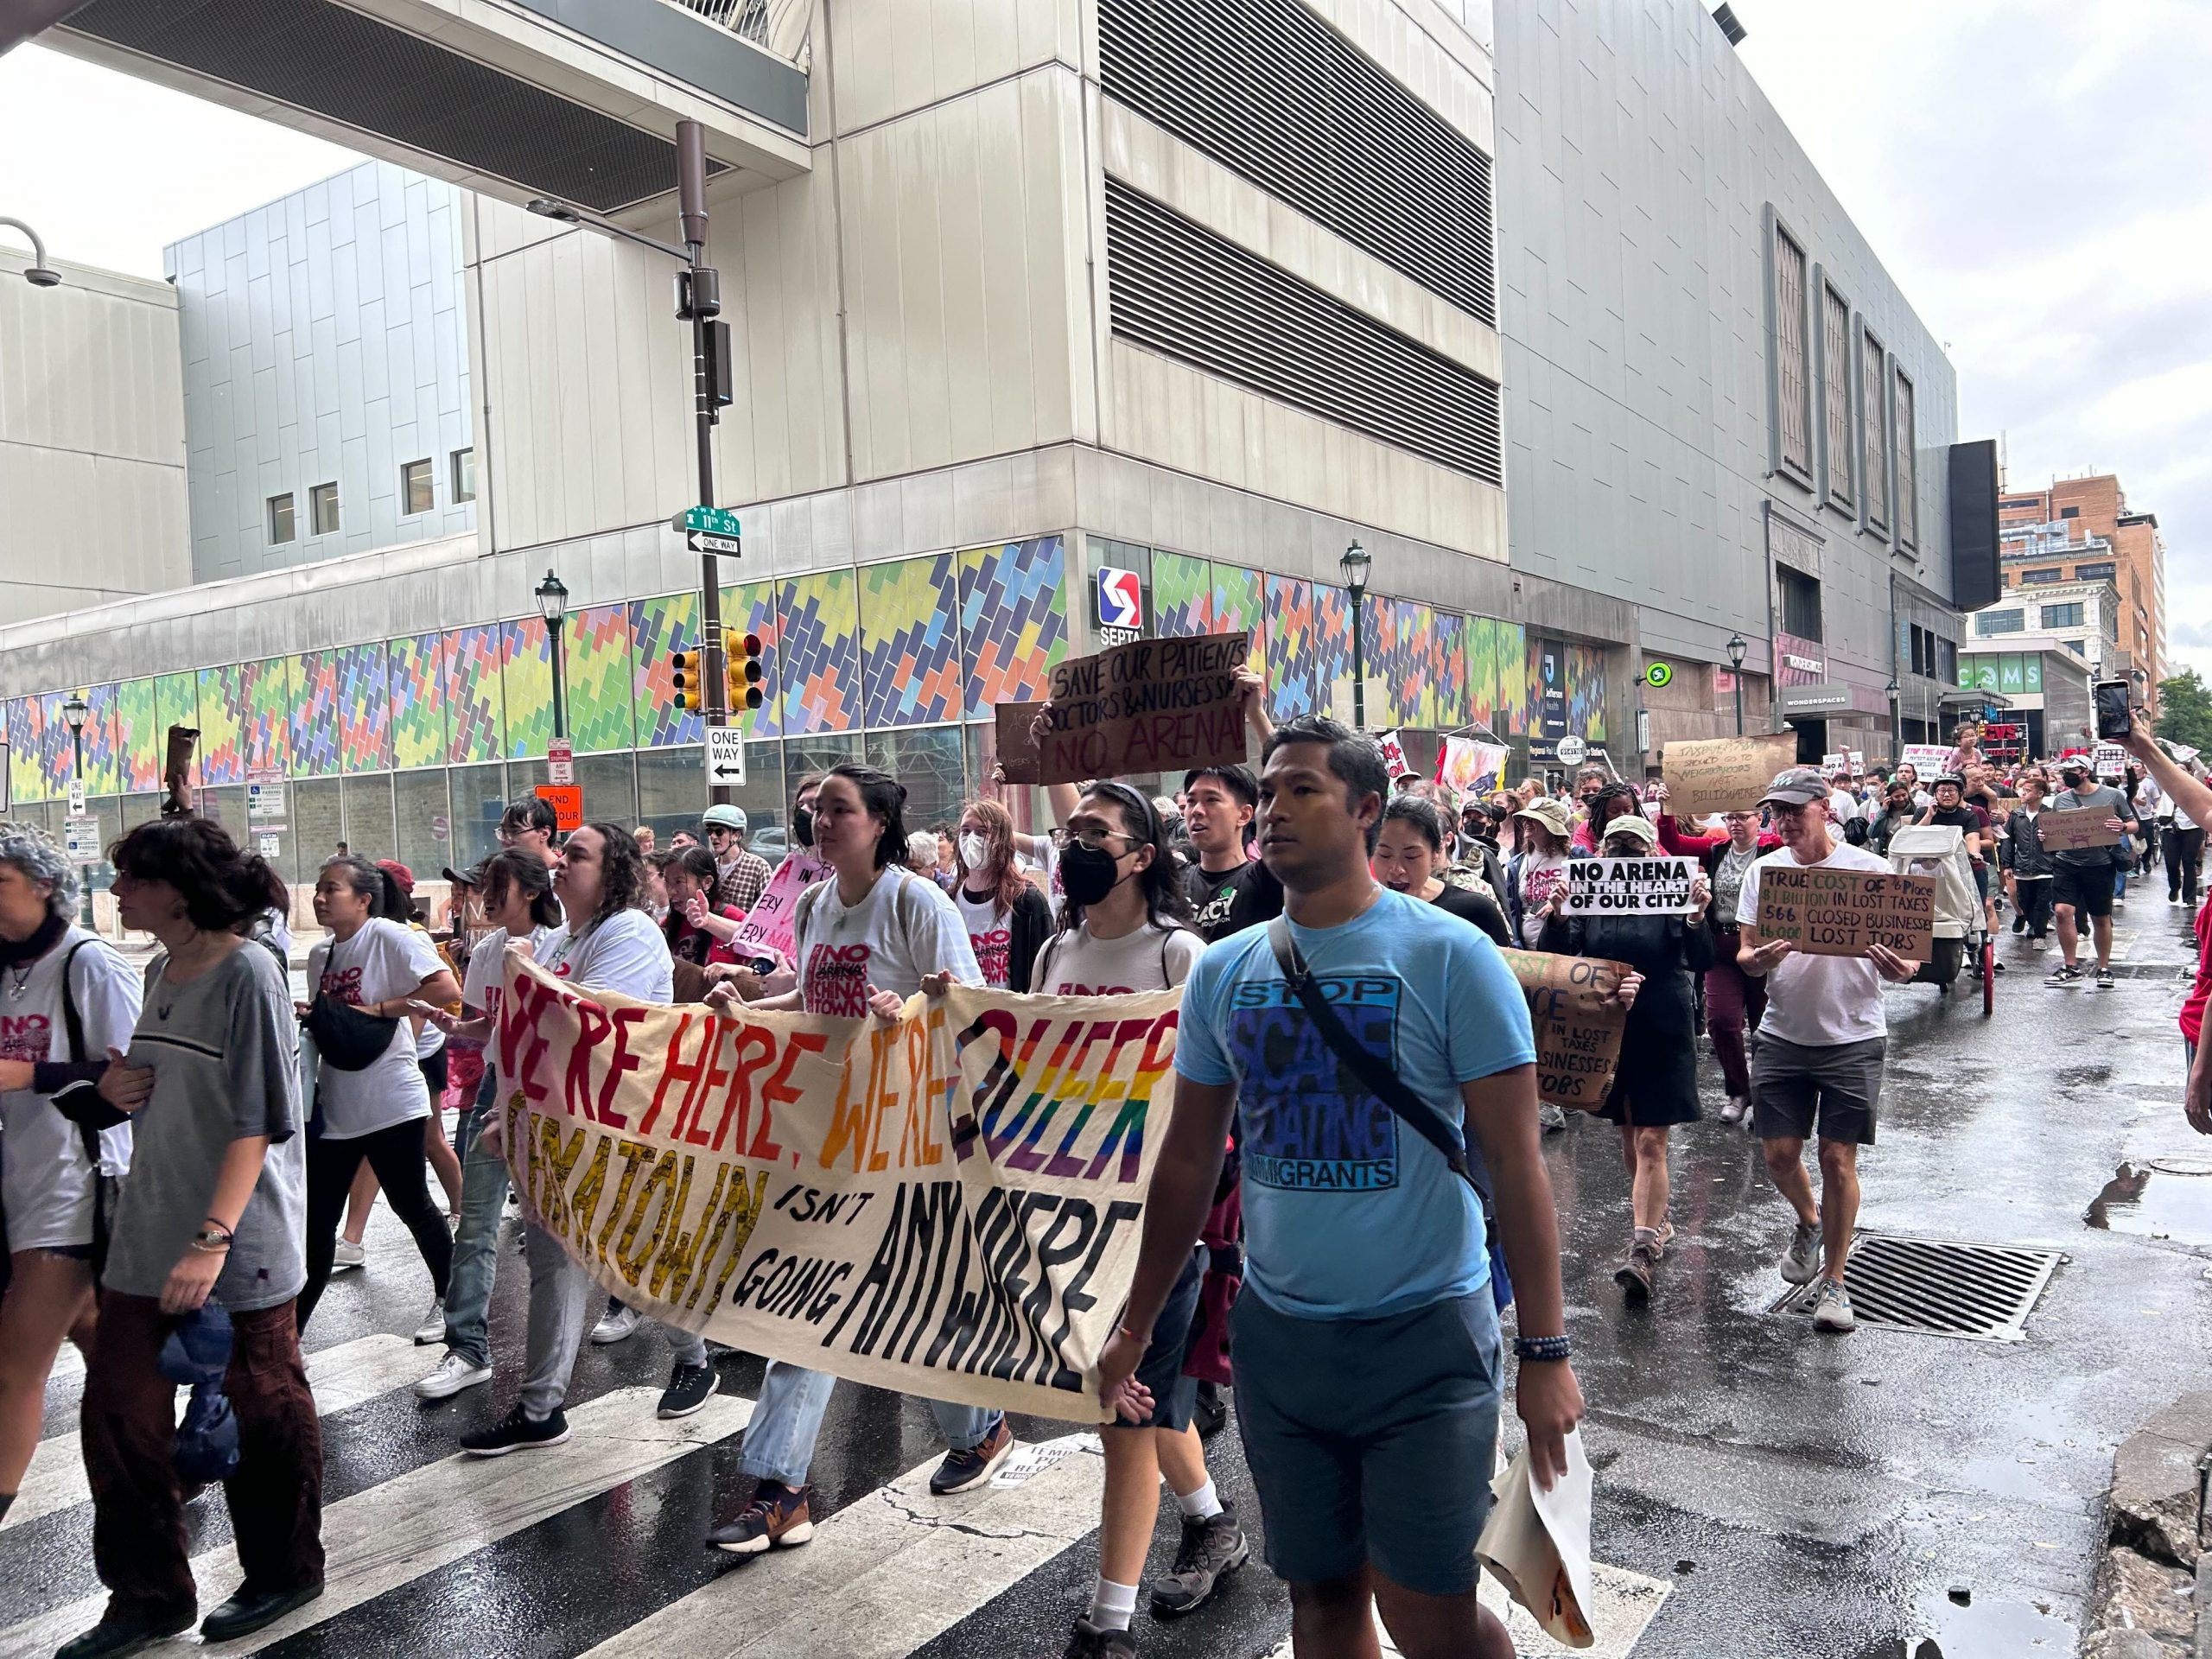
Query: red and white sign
(561, 761)
(1121, 599)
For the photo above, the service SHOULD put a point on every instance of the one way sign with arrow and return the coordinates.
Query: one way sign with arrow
(726, 757)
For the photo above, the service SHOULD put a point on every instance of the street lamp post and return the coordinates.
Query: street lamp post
(1737, 647)
(38, 274)
(553, 606)
(75, 711)
(1355, 564)
(1897, 732)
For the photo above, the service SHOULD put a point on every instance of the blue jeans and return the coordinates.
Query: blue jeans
(779, 1441)
(476, 1244)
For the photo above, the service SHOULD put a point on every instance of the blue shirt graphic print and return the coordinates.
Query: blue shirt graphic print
(1313, 1126)
(1348, 1213)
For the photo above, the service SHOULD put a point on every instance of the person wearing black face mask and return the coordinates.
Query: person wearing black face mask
(802, 809)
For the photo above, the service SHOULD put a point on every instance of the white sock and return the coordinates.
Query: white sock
(1112, 1606)
(1202, 1503)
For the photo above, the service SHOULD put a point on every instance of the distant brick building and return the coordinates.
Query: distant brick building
(2080, 530)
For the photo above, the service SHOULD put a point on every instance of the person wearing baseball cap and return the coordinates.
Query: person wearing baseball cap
(1818, 1067)
(741, 876)
(2083, 877)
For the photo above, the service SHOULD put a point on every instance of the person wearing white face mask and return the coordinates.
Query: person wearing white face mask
(1007, 920)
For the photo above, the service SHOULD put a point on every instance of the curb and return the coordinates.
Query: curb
(2145, 1601)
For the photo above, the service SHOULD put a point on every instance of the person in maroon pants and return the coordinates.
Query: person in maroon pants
(215, 1210)
(1733, 1000)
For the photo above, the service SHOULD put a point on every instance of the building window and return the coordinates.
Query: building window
(1901, 440)
(2052, 574)
(1873, 440)
(280, 528)
(2075, 646)
(2018, 501)
(1919, 648)
(2095, 572)
(2069, 513)
(415, 494)
(464, 474)
(1989, 622)
(1800, 603)
(1792, 379)
(322, 509)
(1835, 398)
(1947, 660)
(2063, 616)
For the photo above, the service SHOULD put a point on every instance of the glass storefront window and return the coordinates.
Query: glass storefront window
(929, 761)
(425, 823)
(141, 808)
(610, 786)
(314, 829)
(673, 793)
(369, 821)
(480, 795)
(227, 807)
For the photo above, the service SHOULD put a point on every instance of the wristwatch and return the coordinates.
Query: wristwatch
(1542, 1349)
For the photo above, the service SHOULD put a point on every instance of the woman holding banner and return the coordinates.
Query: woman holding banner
(863, 940)
(1655, 1085)
(608, 942)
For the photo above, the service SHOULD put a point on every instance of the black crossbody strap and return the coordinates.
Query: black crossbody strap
(1383, 1083)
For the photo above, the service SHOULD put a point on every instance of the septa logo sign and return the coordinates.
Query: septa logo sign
(1121, 599)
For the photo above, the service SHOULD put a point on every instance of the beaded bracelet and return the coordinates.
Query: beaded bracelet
(1542, 1349)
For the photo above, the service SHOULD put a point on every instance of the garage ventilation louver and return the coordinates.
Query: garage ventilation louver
(1180, 290)
(1268, 90)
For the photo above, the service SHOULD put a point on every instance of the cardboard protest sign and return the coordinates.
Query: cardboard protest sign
(2073, 830)
(1828, 913)
(1629, 887)
(1152, 705)
(1577, 1022)
(1724, 774)
(767, 925)
(950, 1206)
(1018, 754)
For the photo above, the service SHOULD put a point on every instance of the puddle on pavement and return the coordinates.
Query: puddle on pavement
(1980, 1630)
(2161, 1198)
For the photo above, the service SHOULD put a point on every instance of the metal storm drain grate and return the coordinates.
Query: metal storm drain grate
(1981, 1292)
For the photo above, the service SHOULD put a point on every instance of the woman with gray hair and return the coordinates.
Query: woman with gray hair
(65, 996)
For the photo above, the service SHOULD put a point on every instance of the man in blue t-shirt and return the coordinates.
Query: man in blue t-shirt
(1366, 1347)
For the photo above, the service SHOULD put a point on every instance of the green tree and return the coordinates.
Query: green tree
(2185, 710)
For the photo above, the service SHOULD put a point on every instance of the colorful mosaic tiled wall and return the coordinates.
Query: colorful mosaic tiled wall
(922, 641)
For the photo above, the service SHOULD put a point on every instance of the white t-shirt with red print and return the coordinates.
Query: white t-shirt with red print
(991, 935)
(628, 954)
(382, 962)
(1150, 958)
(905, 927)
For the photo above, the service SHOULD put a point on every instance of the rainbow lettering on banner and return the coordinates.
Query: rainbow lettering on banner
(951, 1206)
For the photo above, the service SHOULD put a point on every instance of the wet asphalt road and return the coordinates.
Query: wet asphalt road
(1801, 1496)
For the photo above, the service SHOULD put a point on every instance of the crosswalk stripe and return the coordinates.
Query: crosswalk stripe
(394, 1532)
(1627, 1602)
(342, 1376)
(888, 1572)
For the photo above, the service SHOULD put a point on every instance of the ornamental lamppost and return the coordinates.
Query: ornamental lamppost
(553, 606)
(1737, 647)
(1355, 564)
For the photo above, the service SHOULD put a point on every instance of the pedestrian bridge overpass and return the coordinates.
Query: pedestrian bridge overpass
(572, 99)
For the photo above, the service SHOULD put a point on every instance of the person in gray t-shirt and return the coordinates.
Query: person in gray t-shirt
(213, 1212)
(2082, 878)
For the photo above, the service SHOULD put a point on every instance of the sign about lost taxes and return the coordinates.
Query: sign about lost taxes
(1629, 887)
(1152, 705)
(1724, 774)
(726, 756)
(1828, 912)
(1578, 1024)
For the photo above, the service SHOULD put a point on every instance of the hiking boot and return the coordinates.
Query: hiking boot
(777, 1517)
(1802, 1258)
(2065, 974)
(1736, 1110)
(1832, 1308)
(1550, 1118)
(516, 1432)
(689, 1388)
(1634, 1276)
(1211, 1549)
(1087, 1641)
(962, 1471)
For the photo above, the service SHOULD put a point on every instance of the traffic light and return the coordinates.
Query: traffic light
(747, 679)
(691, 678)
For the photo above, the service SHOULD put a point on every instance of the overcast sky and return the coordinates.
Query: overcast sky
(2033, 173)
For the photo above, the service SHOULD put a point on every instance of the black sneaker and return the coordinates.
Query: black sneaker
(2064, 974)
(777, 1517)
(516, 1432)
(1210, 1412)
(1087, 1641)
(962, 1471)
(1211, 1549)
(2104, 979)
(689, 1388)
(127, 1629)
